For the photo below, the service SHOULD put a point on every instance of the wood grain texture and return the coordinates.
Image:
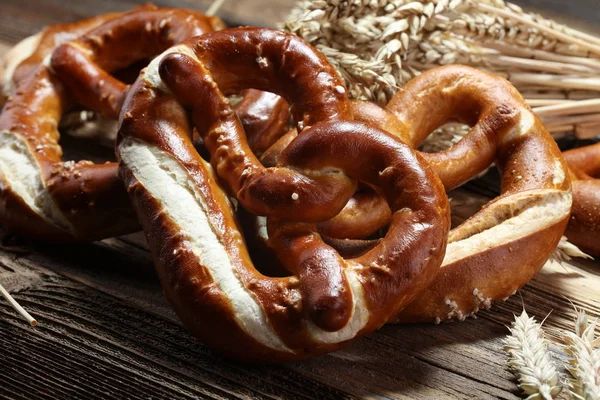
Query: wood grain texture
(105, 330)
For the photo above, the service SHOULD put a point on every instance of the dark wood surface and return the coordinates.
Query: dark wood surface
(105, 331)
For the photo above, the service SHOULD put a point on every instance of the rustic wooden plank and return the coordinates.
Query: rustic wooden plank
(110, 346)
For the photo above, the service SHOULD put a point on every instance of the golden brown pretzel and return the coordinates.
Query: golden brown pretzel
(584, 226)
(42, 196)
(499, 249)
(198, 250)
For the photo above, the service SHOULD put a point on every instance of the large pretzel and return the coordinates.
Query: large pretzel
(198, 250)
(584, 226)
(43, 197)
(499, 249)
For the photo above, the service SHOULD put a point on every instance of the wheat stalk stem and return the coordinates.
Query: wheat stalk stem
(588, 119)
(17, 307)
(214, 7)
(573, 107)
(536, 103)
(539, 65)
(562, 81)
(562, 129)
(526, 52)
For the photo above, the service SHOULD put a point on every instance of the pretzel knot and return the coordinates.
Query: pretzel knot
(584, 226)
(41, 196)
(200, 254)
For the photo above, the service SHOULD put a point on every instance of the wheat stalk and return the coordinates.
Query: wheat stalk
(18, 308)
(529, 359)
(378, 45)
(584, 364)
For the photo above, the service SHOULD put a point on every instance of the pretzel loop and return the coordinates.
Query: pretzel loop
(85, 64)
(198, 249)
(500, 248)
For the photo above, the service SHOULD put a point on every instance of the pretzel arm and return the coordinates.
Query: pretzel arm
(584, 226)
(86, 64)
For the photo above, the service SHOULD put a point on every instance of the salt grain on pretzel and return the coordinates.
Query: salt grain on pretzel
(40, 195)
(584, 226)
(198, 250)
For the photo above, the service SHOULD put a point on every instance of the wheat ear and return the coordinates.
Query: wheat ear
(584, 364)
(529, 359)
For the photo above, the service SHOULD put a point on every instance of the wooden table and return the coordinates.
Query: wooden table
(105, 330)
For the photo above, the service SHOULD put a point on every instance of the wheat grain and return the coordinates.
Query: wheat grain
(529, 359)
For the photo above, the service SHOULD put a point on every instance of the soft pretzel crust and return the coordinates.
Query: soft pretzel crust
(200, 255)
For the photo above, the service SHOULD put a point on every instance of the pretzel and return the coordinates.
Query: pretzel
(197, 247)
(43, 197)
(584, 226)
(499, 249)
